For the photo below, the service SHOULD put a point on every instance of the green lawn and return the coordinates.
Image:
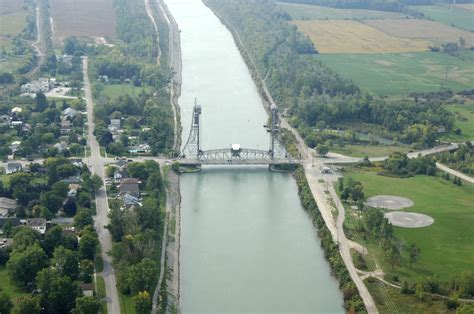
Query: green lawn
(464, 120)
(448, 15)
(127, 305)
(315, 12)
(7, 286)
(447, 246)
(403, 73)
(101, 292)
(116, 90)
(369, 151)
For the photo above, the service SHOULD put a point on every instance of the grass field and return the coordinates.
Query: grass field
(7, 286)
(9, 6)
(465, 6)
(101, 292)
(447, 14)
(423, 29)
(88, 18)
(464, 120)
(369, 151)
(127, 305)
(13, 23)
(403, 73)
(116, 90)
(340, 36)
(446, 246)
(314, 12)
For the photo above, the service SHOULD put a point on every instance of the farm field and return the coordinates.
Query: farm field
(422, 29)
(13, 16)
(82, 18)
(464, 120)
(339, 36)
(314, 12)
(9, 6)
(446, 246)
(402, 73)
(448, 15)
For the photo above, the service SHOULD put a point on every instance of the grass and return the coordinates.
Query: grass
(446, 246)
(464, 120)
(448, 15)
(402, 73)
(355, 37)
(315, 12)
(369, 151)
(13, 23)
(403, 303)
(127, 305)
(7, 286)
(116, 90)
(101, 294)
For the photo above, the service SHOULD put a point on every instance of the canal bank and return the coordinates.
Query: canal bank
(246, 244)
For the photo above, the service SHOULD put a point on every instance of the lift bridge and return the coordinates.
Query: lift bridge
(193, 154)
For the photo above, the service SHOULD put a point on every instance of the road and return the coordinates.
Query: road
(455, 173)
(96, 164)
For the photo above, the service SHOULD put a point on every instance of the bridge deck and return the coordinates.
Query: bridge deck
(237, 161)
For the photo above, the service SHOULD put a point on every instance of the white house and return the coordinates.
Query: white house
(13, 167)
(38, 224)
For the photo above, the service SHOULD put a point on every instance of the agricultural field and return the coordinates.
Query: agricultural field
(82, 18)
(314, 12)
(403, 73)
(447, 14)
(13, 14)
(465, 6)
(464, 120)
(354, 37)
(446, 246)
(423, 29)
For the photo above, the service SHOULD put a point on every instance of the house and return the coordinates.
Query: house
(131, 201)
(69, 113)
(77, 162)
(72, 179)
(15, 146)
(38, 224)
(60, 147)
(7, 206)
(142, 148)
(13, 167)
(130, 186)
(115, 125)
(120, 173)
(121, 163)
(40, 85)
(73, 187)
(65, 127)
(16, 110)
(12, 220)
(87, 289)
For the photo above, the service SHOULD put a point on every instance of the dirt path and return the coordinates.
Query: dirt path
(455, 173)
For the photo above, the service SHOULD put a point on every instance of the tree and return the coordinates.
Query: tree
(58, 294)
(393, 255)
(87, 305)
(413, 254)
(23, 265)
(143, 302)
(83, 218)
(97, 182)
(87, 270)
(66, 262)
(25, 237)
(5, 303)
(41, 102)
(142, 275)
(51, 201)
(26, 305)
(70, 206)
(6, 78)
(52, 239)
(322, 150)
(88, 243)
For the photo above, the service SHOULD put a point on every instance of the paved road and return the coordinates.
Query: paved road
(96, 163)
(455, 173)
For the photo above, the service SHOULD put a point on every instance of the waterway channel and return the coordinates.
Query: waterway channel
(246, 242)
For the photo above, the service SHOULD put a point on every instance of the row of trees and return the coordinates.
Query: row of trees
(461, 159)
(398, 164)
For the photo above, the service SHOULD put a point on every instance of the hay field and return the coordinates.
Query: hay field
(315, 12)
(13, 16)
(343, 36)
(447, 14)
(83, 18)
(422, 29)
(10, 6)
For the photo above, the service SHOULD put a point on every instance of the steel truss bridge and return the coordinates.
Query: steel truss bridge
(193, 154)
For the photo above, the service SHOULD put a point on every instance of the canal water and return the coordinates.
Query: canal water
(247, 245)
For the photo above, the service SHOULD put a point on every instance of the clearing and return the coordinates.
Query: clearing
(343, 36)
(115, 90)
(83, 18)
(315, 12)
(403, 73)
(447, 14)
(13, 14)
(464, 120)
(446, 246)
(422, 29)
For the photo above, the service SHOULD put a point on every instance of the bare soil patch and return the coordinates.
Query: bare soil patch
(343, 36)
(409, 220)
(391, 202)
(83, 18)
(422, 29)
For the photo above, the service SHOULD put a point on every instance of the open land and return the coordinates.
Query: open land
(446, 246)
(314, 12)
(465, 6)
(83, 18)
(369, 150)
(341, 36)
(447, 14)
(464, 120)
(116, 90)
(403, 73)
(422, 29)
(13, 23)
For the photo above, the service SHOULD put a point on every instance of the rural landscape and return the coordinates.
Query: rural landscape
(136, 176)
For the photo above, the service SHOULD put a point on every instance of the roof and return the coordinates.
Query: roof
(87, 286)
(14, 165)
(129, 185)
(115, 122)
(7, 203)
(36, 222)
(69, 112)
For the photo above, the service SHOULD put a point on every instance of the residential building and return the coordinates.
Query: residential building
(115, 125)
(13, 167)
(65, 127)
(131, 201)
(7, 206)
(87, 289)
(38, 224)
(120, 173)
(77, 162)
(130, 186)
(69, 113)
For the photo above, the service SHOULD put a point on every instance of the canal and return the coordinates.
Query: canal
(246, 242)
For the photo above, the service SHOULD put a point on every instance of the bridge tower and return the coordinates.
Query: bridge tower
(192, 149)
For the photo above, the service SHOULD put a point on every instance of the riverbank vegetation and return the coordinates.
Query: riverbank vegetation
(352, 299)
(129, 86)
